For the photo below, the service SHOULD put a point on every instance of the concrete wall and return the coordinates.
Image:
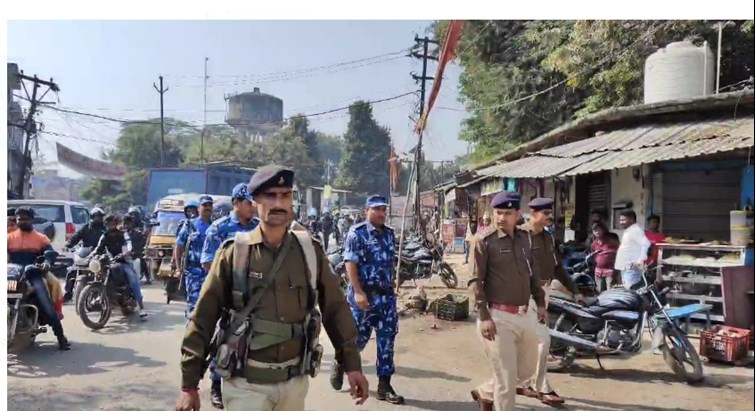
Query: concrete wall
(625, 187)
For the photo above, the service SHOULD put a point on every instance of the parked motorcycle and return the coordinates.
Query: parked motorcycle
(24, 319)
(613, 324)
(583, 275)
(420, 261)
(338, 265)
(108, 288)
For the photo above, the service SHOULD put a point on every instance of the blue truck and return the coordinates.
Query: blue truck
(218, 180)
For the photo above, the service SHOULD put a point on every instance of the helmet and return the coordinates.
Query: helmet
(191, 204)
(134, 210)
(96, 211)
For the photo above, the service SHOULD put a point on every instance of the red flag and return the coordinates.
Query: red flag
(393, 160)
(447, 54)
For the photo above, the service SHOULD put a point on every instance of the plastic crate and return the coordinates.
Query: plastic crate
(724, 348)
(452, 308)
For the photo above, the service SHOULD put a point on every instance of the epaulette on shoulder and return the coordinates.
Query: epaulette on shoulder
(487, 232)
(220, 221)
(389, 228)
(363, 224)
(227, 243)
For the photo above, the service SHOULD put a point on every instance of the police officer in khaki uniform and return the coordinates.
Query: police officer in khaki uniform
(503, 283)
(548, 265)
(267, 355)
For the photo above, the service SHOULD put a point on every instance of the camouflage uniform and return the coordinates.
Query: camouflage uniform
(191, 238)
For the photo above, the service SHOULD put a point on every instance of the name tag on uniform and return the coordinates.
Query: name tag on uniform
(255, 274)
(505, 250)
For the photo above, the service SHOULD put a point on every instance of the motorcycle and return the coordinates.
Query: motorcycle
(24, 319)
(420, 261)
(613, 324)
(79, 273)
(338, 266)
(108, 287)
(583, 275)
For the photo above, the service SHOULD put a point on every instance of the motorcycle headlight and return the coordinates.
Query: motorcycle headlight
(95, 266)
(12, 285)
(160, 253)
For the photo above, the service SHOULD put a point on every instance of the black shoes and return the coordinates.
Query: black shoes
(386, 393)
(336, 377)
(216, 395)
(63, 344)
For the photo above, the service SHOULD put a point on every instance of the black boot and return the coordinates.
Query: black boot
(63, 344)
(336, 377)
(385, 392)
(216, 395)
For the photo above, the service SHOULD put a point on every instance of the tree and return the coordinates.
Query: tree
(138, 149)
(366, 150)
(621, 47)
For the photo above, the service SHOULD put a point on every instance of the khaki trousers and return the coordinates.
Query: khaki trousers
(538, 380)
(239, 395)
(513, 355)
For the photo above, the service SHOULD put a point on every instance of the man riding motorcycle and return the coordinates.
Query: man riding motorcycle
(117, 243)
(138, 243)
(24, 247)
(88, 235)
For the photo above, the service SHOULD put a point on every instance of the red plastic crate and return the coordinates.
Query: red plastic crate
(724, 348)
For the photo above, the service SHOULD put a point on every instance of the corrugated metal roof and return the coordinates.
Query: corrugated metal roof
(654, 136)
(537, 166)
(632, 158)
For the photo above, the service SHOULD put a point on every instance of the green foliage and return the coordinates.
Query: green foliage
(364, 162)
(600, 64)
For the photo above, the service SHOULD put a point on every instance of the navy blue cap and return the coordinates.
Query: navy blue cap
(270, 176)
(541, 203)
(241, 192)
(376, 201)
(205, 200)
(506, 199)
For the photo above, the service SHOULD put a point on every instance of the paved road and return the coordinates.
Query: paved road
(131, 365)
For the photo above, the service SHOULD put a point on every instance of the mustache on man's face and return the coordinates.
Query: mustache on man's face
(277, 211)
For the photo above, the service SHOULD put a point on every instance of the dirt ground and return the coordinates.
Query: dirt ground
(135, 366)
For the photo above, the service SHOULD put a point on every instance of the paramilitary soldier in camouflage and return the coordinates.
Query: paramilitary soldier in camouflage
(272, 281)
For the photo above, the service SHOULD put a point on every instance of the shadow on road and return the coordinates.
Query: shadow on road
(655, 377)
(410, 372)
(162, 317)
(46, 361)
(590, 405)
(117, 396)
(442, 405)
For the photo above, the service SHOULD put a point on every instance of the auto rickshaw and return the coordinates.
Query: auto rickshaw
(162, 240)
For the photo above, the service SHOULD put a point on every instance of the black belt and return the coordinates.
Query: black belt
(378, 290)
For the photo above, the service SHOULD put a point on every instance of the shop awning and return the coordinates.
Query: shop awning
(645, 145)
(536, 166)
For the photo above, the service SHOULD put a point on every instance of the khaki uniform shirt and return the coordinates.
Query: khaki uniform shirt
(501, 271)
(286, 300)
(545, 259)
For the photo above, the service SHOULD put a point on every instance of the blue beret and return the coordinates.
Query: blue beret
(541, 203)
(506, 199)
(376, 201)
(205, 200)
(270, 176)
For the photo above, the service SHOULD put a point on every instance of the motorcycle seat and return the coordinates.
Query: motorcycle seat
(621, 316)
(412, 247)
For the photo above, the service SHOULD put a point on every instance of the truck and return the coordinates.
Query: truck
(214, 180)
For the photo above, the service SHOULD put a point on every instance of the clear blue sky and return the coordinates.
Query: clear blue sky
(108, 67)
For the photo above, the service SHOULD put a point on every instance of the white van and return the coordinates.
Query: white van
(67, 217)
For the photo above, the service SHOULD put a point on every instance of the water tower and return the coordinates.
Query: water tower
(256, 114)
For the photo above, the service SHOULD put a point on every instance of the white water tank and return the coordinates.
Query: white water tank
(680, 70)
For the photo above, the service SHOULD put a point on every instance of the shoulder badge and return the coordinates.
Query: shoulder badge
(358, 226)
(227, 243)
(487, 232)
(220, 221)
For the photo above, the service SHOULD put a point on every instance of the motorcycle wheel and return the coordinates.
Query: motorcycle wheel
(560, 356)
(86, 301)
(681, 356)
(448, 276)
(77, 287)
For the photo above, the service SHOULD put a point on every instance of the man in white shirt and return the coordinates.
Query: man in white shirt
(633, 251)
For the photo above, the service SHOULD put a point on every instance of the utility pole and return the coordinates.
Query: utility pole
(162, 91)
(30, 126)
(204, 123)
(328, 164)
(422, 80)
